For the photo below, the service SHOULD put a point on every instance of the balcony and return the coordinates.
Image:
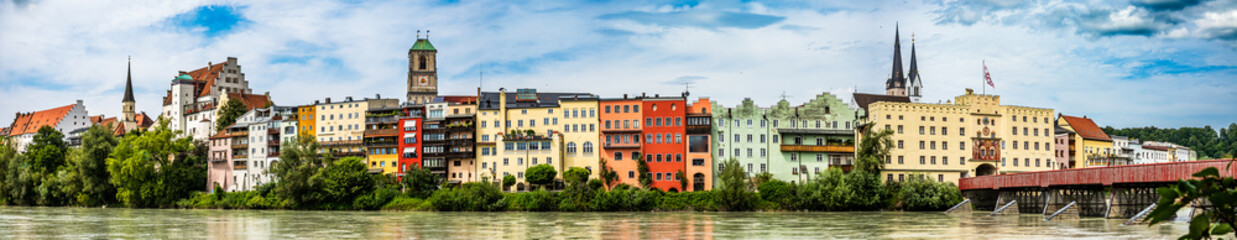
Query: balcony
(272, 131)
(348, 154)
(466, 126)
(274, 142)
(620, 130)
(341, 143)
(381, 143)
(813, 148)
(218, 160)
(240, 156)
(240, 146)
(379, 120)
(622, 145)
(389, 132)
(240, 167)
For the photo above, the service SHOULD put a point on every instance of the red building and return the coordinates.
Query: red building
(410, 138)
(664, 144)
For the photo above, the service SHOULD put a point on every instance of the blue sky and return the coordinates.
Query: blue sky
(1167, 63)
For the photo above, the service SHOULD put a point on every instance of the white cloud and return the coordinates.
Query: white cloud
(358, 49)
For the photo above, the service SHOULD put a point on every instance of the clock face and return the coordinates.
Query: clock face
(423, 81)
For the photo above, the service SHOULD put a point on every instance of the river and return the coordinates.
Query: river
(94, 223)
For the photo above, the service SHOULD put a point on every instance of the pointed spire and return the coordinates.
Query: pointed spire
(896, 77)
(129, 82)
(913, 74)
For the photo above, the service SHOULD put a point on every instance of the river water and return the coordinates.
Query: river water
(93, 223)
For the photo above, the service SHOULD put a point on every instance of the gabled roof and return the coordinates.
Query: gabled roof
(4, 131)
(31, 122)
(251, 101)
(864, 99)
(144, 120)
(1086, 128)
(206, 77)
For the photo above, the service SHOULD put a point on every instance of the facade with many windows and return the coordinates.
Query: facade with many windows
(794, 143)
(520, 130)
(621, 135)
(973, 135)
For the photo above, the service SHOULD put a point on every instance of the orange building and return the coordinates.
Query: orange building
(620, 133)
(699, 146)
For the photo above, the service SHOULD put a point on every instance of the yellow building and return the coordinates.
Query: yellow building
(974, 135)
(305, 119)
(461, 131)
(1085, 135)
(580, 133)
(521, 130)
(381, 138)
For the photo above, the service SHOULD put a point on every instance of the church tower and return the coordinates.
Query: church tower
(914, 85)
(896, 84)
(129, 115)
(422, 71)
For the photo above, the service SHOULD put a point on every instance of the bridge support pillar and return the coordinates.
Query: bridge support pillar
(982, 199)
(1126, 201)
(1089, 201)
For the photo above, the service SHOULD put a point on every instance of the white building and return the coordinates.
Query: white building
(64, 119)
(1154, 154)
(266, 129)
(194, 96)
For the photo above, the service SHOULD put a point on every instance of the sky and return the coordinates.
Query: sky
(1135, 63)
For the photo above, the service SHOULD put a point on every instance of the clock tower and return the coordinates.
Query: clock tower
(422, 71)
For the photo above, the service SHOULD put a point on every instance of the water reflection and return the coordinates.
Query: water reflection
(42, 223)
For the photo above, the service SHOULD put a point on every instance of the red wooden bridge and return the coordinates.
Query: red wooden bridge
(1105, 176)
(1113, 192)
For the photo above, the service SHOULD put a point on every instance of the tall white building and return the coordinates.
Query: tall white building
(190, 104)
(256, 148)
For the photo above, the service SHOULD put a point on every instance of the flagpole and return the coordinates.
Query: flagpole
(983, 76)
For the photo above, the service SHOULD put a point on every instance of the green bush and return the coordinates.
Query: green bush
(471, 196)
(776, 191)
(405, 203)
(928, 195)
(538, 200)
(697, 201)
(377, 199)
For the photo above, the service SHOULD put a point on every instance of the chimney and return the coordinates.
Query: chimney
(642, 95)
(377, 96)
(656, 95)
(328, 100)
(502, 109)
(348, 99)
(79, 102)
(267, 94)
(316, 102)
(624, 96)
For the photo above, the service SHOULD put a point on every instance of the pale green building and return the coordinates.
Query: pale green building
(794, 143)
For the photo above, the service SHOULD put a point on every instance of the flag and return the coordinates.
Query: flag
(988, 76)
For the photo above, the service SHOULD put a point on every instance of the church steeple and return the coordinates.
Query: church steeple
(896, 84)
(914, 86)
(129, 83)
(128, 114)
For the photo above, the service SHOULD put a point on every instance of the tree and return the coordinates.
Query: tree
(682, 177)
(344, 180)
(1218, 220)
(299, 161)
(231, 110)
(96, 188)
(873, 151)
(607, 175)
(734, 194)
(8, 155)
(420, 183)
(642, 170)
(541, 174)
(508, 181)
(578, 194)
(141, 168)
(46, 154)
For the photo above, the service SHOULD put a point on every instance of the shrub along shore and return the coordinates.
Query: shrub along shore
(156, 169)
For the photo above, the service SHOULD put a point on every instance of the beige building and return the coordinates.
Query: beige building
(341, 125)
(520, 130)
(581, 133)
(973, 135)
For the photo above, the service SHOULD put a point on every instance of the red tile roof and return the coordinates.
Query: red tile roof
(251, 101)
(460, 99)
(1158, 148)
(4, 131)
(31, 122)
(205, 77)
(1086, 128)
(144, 120)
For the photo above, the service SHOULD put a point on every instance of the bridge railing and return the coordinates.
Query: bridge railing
(1138, 173)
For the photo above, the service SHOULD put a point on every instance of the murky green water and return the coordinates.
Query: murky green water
(44, 223)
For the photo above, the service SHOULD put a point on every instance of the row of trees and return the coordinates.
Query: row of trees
(1208, 142)
(311, 180)
(142, 169)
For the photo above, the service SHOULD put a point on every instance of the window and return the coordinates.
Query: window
(899, 144)
(617, 155)
(921, 145)
(899, 159)
(899, 129)
(944, 160)
(571, 147)
(922, 160)
(962, 145)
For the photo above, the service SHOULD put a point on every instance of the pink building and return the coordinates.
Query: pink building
(219, 169)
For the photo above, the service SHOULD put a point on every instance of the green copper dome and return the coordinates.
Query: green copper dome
(422, 45)
(184, 77)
